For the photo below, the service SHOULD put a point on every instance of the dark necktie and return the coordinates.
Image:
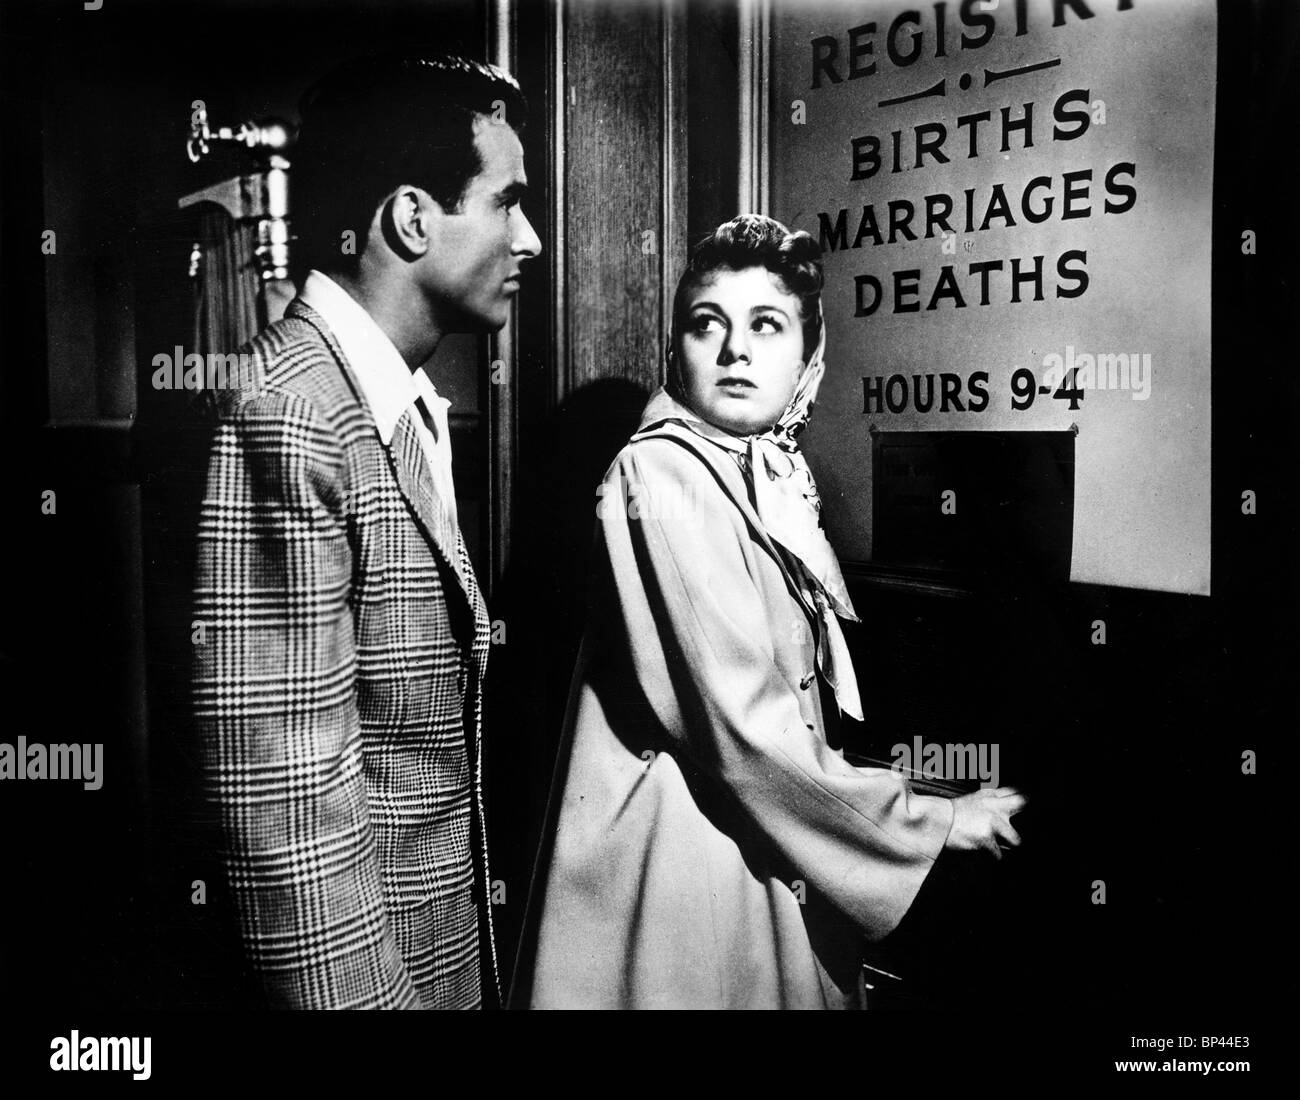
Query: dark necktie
(427, 417)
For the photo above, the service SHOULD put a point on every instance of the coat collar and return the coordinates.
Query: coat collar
(667, 418)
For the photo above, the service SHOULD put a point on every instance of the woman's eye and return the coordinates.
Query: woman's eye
(703, 323)
(773, 325)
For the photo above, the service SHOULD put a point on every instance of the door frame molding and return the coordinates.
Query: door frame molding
(754, 185)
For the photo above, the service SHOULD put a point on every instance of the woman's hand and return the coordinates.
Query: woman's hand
(981, 819)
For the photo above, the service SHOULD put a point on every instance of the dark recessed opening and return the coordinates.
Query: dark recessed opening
(1012, 508)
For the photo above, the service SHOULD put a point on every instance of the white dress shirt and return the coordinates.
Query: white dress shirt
(389, 385)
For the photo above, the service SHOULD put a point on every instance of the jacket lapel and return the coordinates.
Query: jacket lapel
(411, 469)
(411, 472)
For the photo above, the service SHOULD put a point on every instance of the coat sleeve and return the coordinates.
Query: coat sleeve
(702, 644)
(276, 713)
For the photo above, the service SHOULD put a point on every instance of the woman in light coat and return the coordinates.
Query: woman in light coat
(705, 846)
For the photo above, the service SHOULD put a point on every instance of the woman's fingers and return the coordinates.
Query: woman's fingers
(982, 820)
(1010, 800)
(1008, 833)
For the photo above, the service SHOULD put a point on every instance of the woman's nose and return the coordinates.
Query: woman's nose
(736, 347)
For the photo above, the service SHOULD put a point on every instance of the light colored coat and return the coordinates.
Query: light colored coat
(706, 848)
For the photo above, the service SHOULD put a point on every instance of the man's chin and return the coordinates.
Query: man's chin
(495, 320)
(479, 325)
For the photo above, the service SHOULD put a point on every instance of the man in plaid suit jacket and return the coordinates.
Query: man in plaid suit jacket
(338, 695)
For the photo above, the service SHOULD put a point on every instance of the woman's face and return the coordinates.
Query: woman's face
(740, 349)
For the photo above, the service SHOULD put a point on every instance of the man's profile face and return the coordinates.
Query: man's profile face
(472, 270)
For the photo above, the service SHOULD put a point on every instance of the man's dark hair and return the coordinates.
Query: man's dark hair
(378, 122)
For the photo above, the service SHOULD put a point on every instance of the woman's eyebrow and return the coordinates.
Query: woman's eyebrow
(754, 311)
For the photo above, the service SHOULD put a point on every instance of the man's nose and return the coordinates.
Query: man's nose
(526, 242)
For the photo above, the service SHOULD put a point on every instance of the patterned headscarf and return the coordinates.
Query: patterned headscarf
(789, 507)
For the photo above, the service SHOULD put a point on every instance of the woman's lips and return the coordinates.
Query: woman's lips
(737, 384)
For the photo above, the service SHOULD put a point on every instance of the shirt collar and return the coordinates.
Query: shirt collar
(389, 385)
(424, 387)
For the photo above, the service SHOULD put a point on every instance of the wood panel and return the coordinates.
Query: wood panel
(623, 126)
(713, 107)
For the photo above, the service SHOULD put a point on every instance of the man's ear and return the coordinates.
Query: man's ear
(407, 221)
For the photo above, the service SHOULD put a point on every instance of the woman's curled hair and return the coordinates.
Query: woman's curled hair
(753, 240)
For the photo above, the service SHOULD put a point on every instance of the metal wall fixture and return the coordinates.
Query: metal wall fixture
(262, 196)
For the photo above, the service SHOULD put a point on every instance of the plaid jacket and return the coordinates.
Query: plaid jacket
(338, 692)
